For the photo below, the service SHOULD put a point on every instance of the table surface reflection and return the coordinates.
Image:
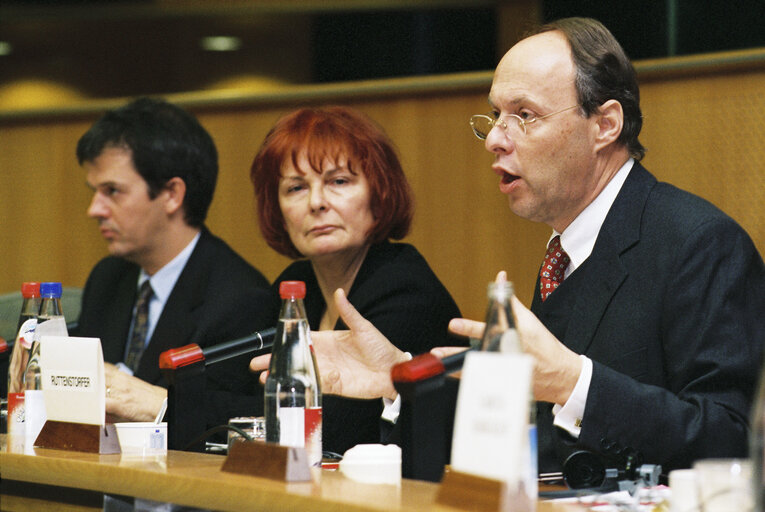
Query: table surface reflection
(196, 479)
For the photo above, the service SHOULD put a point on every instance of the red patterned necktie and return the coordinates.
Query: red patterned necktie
(553, 268)
(140, 326)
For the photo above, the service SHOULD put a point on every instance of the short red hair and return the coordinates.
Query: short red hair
(332, 133)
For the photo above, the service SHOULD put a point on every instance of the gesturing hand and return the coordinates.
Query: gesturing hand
(355, 363)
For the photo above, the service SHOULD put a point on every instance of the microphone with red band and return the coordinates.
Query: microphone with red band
(427, 365)
(255, 344)
(184, 370)
(425, 421)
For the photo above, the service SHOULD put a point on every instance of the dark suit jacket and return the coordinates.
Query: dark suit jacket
(399, 294)
(669, 306)
(218, 297)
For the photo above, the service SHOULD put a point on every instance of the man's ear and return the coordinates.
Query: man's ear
(174, 193)
(610, 121)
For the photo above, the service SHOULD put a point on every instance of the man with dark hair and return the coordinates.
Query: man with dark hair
(647, 324)
(168, 281)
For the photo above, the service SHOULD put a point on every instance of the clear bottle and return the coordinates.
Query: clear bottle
(292, 392)
(501, 335)
(22, 348)
(50, 320)
(757, 445)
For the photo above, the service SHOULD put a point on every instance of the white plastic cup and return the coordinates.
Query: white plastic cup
(685, 496)
(144, 437)
(724, 485)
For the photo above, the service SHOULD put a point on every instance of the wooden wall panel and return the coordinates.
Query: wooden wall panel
(703, 133)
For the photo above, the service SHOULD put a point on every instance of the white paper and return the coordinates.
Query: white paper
(490, 427)
(73, 379)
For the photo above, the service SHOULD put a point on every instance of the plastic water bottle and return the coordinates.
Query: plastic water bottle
(50, 320)
(293, 395)
(501, 335)
(22, 349)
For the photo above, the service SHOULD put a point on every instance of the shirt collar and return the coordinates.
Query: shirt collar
(578, 239)
(163, 281)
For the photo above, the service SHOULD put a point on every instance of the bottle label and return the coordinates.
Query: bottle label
(53, 326)
(301, 427)
(313, 435)
(27, 333)
(292, 426)
(16, 413)
(34, 412)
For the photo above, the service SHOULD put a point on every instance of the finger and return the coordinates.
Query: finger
(501, 277)
(263, 377)
(523, 315)
(465, 327)
(348, 313)
(260, 363)
(442, 352)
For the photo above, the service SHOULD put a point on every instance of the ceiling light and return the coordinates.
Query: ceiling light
(221, 43)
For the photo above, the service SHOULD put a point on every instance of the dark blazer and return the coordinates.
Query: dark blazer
(218, 297)
(399, 294)
(669, 307)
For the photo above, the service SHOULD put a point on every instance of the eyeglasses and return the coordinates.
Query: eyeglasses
(482, 124)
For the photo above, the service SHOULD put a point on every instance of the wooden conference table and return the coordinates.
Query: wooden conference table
(76, 481)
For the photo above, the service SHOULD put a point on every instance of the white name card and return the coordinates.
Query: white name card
(490, 427)
(73, 379)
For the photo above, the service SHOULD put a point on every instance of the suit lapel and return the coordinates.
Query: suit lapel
(177, 324)
(118, 316)
(605, 268)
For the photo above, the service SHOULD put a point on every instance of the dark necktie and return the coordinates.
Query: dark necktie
(140, 326)
(553, 268)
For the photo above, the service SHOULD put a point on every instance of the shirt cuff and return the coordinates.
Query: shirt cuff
(569, 415)
(392, 408)
(124, 368)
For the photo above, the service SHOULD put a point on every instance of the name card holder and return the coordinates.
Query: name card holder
(470, 492)
(268, 460)
(79, 437)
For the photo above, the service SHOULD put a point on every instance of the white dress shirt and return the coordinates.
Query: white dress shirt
(577, 240)
(162, 284)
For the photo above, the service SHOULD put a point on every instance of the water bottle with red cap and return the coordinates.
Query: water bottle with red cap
(22, 349)
(293, 395)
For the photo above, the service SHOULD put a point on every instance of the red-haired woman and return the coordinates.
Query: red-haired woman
(331, 192)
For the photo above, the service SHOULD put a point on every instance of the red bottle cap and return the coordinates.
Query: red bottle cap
(30, 289)
(292, 290)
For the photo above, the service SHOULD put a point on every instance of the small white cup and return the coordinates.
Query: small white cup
(724, 485)
(144, 437)
(685, 497)
(373, 464)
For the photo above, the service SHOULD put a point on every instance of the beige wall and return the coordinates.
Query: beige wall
(703, 129)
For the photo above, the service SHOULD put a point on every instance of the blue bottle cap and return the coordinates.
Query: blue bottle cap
(50, 290)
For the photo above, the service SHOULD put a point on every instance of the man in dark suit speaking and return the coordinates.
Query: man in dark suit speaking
(647, 325)
(168, 281)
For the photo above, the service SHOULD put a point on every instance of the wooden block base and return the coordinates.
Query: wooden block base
(470, 492)
(267, 460)
(79, 437)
